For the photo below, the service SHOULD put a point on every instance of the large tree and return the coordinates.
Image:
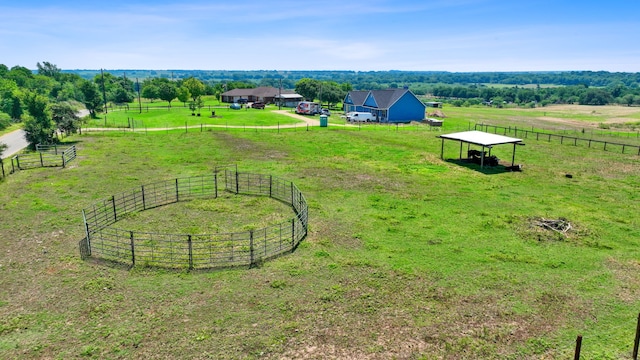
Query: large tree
(38, 127)
(48, 69)
(308, 88)
(168, 92)
(151, 92)
(196, 87)
(12, 104)
(331, 93)
(183, 94)
(92, 98)
(65, 118)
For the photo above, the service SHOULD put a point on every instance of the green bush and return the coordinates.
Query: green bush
(5, 121)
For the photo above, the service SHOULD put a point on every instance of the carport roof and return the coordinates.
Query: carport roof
(481, 138)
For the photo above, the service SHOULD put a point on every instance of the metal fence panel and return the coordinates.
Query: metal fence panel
(189, 250)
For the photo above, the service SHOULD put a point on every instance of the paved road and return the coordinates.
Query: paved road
(15, 141)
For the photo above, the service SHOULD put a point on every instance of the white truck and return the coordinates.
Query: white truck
(360, 117)
(308, 108)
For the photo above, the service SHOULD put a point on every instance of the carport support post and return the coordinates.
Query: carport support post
(460, 150)
(482, 157)
(513, 157)
(442, 150)
(637, 341)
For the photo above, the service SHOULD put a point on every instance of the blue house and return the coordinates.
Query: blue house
(391, 105)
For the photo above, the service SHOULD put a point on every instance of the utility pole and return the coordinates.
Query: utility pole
(104, 93)
(138, 87)
(280, 95)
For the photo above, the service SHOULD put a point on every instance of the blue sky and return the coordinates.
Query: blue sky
(363, 35)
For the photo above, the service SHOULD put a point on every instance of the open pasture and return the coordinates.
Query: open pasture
(178, 116)
(589, 121)
(408, 256)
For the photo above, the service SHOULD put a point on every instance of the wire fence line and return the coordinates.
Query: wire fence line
(193, 251)
(44, 156)
(562, 139)
(132, 125)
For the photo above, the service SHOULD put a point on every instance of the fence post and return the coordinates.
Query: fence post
(133, 249)
(190, 252)
(113, 201)
(637, 341)
(270, 185)
(578, 347)
(237, 183)
(63, 162)
(55, 148)
(144, 201)
(41, 162)
(251, 259)
(293, 234)
(2, 166)
(215, 183)
(86, 230)
(177, 192)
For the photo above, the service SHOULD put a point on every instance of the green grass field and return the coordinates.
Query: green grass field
(178, 116)
(409, 256)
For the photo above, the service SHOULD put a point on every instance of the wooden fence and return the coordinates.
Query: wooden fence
(562, 139)
(193, 251)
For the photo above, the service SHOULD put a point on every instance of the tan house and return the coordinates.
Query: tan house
(264, 94)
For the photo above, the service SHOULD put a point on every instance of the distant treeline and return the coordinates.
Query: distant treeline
(385, 79)
(469, 88)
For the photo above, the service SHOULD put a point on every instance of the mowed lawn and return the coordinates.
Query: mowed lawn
(150, 117)
(408, 256)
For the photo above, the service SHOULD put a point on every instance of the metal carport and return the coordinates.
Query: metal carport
(481, 138)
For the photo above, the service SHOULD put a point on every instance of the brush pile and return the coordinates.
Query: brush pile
(561, 226)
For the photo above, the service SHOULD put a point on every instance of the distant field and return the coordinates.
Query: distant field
(525, 86)
(409, 256)
(588, 121)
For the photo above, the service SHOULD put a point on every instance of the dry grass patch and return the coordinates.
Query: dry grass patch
(627, 274)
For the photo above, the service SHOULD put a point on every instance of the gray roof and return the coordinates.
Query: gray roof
(386, 98)
(358, 96)
(481, 138)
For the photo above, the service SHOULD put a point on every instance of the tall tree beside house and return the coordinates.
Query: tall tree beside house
(331, 93)
(308, 88)
(38, 127)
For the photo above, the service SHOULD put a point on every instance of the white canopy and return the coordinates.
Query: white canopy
(481, 138)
